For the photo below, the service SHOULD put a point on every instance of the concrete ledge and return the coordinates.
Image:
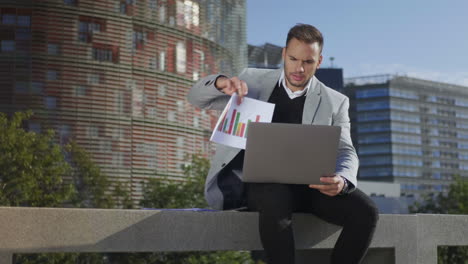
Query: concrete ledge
(414, 238)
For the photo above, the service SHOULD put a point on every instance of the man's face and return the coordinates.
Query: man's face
(301, 60)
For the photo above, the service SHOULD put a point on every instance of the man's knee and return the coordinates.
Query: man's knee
(269, 198)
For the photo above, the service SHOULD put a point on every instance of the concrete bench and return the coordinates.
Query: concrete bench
(400, 239)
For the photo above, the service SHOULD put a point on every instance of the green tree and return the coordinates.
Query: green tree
(454, 202)
(33, 172)
(187, 193)
(31, 166)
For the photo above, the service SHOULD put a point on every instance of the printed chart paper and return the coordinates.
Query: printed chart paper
(231, 128)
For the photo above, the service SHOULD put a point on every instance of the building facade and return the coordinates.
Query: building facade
(409, 131)
(113, 75)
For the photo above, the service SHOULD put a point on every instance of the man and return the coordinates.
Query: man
(299, 98)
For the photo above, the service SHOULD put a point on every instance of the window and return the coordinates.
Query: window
(373, 116)
(21, 87)
(34, 127)
(103, 54)
(369, 139)
(181, 57)
(50, 102)
(374, 149)
(23, 34)
(180, 105)
(162, 90)
(407, 150)
(52, 75)
(398, 138)
(405, 117)
(406, 128)
(407, 162)
(375, 172)
(162, 61)
(372, 105)
(81, 90)
(188, 13)
(152, 4)
(372, 93)
(152, 63)
(8, 45)
(126, 7)
(70, 2)
(94, 78)
(24, 21)
(120, 102)
(195, 76)
(53, 49)
(403, 94)
(93, 131)
(37, 87)
(371, 161)
(88, 26)
(404, 106)
(162, 14)
(8, 19)
(171, 116)
(139, 40)
(380, 127)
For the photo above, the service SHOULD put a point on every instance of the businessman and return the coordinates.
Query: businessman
(299, 98)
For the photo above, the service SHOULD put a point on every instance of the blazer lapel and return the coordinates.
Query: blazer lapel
(268, 83)
(312, 102)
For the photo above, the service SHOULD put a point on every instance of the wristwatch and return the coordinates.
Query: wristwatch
(345, 186)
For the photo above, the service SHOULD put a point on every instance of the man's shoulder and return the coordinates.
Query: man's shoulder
(257, 72)
(330, 92)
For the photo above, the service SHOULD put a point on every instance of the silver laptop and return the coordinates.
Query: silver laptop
(290, 153)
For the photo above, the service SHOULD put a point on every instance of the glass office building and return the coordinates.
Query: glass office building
(113, 75)
(409, 131)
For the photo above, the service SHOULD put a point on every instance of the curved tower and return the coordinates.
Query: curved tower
(113, 75)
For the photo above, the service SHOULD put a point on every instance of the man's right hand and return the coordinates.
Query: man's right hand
(232, 85)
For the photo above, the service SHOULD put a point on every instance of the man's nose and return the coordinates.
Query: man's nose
(299, 67)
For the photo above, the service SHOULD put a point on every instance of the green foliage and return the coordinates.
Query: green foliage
(181, 193)
(90, 184)
(32, 172)
(31, 166)
(455, 202)
(187, 193)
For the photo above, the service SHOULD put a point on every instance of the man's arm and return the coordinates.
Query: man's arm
(347, 162)
(214, 91)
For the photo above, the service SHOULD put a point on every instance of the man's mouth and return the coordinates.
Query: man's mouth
(297, 77)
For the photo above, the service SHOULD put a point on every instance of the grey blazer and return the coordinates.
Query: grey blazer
(323, 106)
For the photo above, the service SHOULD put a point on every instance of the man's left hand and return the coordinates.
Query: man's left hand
(333, 185)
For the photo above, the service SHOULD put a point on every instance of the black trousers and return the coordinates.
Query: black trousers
(355, 212)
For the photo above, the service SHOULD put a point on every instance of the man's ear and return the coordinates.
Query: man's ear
(320, 61)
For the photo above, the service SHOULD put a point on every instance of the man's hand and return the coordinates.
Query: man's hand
(232, 85)
(333, 185)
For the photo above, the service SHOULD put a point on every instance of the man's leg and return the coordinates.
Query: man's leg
(356, 212)
(275, 207)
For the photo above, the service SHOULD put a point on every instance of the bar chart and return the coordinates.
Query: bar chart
(233, 124)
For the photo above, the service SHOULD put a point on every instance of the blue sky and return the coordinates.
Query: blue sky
(426, 39)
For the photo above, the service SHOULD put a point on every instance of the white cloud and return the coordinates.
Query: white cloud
(455, 77)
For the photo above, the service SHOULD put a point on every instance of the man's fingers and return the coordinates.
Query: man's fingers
(328, 179)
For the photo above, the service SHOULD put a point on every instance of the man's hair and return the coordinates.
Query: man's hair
(305, 33)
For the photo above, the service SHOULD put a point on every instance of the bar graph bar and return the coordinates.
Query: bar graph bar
(232, 125)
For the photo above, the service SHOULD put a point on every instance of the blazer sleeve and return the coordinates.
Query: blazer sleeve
(347, 162)
(205, 95)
